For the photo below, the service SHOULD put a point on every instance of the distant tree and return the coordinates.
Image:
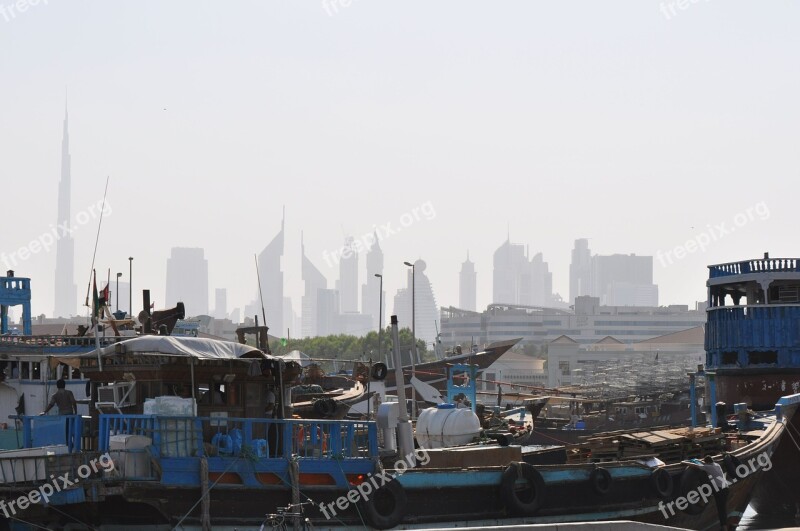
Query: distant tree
(343, 347)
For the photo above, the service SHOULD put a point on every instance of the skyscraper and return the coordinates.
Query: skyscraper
(221, 303)
(467, 286)
(187, 280)
(624, 280)
(348, 278)
(314, 281)
(580, 270)
(519, 280)
(66, 291)
(370, 291)
(271, 275)
(427, 313)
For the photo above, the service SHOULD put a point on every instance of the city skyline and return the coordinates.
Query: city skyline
(200, 160)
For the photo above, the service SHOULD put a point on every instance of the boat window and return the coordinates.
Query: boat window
(25, 373)
(766, 357)
(730, 358)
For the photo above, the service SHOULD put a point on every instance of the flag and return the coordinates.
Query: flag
(95, 299)
(284, 341)
(153, 305)
(105, 296)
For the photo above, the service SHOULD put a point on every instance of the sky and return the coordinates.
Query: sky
(646, 127)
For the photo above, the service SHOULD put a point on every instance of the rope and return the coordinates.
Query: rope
(192, 508)
(28, 523)
(72, 517)
(294, 475)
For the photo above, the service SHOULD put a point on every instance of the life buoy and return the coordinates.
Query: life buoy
(302, 441)
(325, 407)
(379, 371)
(662, 483)
(691, 479)
(385, 508)
(601, 480)
(518, 499)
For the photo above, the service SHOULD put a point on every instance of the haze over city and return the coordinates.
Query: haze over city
(210, 119)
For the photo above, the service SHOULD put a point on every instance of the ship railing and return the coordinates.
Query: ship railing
(181, 436)
(49, 430)
(59, 341)
(762, 265)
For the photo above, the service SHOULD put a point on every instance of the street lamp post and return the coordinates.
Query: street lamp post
(380, 318)
(130, 286)
(414, 339)
(118, 275)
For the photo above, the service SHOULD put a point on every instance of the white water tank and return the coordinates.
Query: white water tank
(445, 425)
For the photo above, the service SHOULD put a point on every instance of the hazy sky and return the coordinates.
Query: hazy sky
(619, 121)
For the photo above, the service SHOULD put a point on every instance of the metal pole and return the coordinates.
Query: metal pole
(118, 275)
(414, 338)
(380, 318)
(130, 286)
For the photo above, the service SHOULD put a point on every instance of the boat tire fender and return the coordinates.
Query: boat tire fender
(379, 371)
(691, 479)
(519, 501)
(601, 480)
(385, 508)
(662, 482)
(730, 463)
(325, 407)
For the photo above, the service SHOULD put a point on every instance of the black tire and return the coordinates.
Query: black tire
(729, 464)
(325, 407)
(691, 479)
(386, 507)
(379, 371)
(522, 500)
(662, 483)
(601, 480)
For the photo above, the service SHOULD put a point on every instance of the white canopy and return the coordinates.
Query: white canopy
(195, 347)
(302, 359)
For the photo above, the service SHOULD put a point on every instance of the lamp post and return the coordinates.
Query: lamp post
(130, 286)
(414, 339)
(380, 318)
(118, 275)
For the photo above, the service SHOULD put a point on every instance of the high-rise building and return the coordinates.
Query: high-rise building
(313, 281)
(519, 280)
(221, 303)
(623, 280)
(426, 311)
(541, 293)
(187, 280)
(371, 296)
(271, 274)
(580, 270)
(348, 278)
(66, 291)
(467, 286)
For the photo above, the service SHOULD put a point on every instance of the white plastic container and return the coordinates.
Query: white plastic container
(445, 426)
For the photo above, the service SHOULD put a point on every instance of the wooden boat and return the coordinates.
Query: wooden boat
(752, 353)
(226, 464)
